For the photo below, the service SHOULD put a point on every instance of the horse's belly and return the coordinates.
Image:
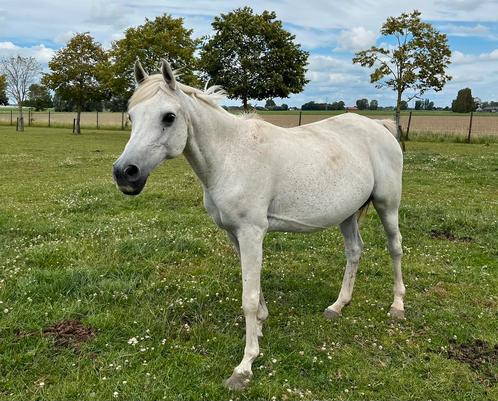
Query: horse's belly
(314, 204)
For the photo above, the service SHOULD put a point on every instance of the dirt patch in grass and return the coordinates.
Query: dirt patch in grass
(480, 356)
(448, 235)
(66, 334)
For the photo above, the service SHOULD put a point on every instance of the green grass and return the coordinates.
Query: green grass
(156, 268)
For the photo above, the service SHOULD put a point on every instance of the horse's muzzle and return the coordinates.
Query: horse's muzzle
(129, 179)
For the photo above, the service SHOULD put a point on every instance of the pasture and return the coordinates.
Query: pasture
(110, 297)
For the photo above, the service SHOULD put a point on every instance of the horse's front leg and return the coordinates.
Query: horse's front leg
(262, 309)
(250, 240)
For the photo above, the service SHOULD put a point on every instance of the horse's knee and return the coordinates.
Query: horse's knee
(250, 303)
(353, 252)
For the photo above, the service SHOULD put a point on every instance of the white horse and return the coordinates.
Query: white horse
(258, 177)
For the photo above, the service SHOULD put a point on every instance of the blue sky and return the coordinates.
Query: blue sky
(330, 30)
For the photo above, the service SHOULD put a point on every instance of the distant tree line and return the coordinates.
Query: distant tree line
(340, 105)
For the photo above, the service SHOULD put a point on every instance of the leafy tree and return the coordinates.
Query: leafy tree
(464, 103)
(419, 105)
(4, 100)
(270, 104)
(416, 62)
(403, 105)
(75, 73)
(20, 73)
(284, 106)
(39, 98)
(253, 57)
(362, 104)
(428, 105)
(374, 105)
(164, 37)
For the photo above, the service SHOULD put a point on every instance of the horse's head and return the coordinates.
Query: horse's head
(159, 128)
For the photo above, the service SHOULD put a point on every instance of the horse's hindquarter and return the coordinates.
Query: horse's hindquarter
(323, 174)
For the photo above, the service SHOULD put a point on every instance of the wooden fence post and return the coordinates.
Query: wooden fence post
(470, 126)
(10, 117)
(300, 114)
(74, 124)
(97, 119)
(122, 120)
(408, 127)
(29, 117)
(49, 119)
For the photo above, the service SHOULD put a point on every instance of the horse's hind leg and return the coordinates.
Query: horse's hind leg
(388, 213)
(353, 246)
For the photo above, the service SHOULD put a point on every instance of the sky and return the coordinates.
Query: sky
(331, 31)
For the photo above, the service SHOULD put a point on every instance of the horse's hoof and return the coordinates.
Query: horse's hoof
(237, 382)
(331, 314)
(398, 314)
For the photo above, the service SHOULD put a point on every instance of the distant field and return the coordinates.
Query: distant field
(423, 122)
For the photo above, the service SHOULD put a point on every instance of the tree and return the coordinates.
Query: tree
(362, 104)
(4, 100)
(164, 37)
(374, 105)
(428, 105)
(75, 73)
(20, 73)
(416, 62)
(464, 103)
(39, 98)
(270, 104)
(253, 57)
(403, 105)
(419, 105)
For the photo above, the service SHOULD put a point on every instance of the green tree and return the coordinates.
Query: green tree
(374, 105)
(270, 104)
(362, 104)
(416, 61)
(4, 100)
(75, 73)
(39, 98)
(164, 37)
(419, 105)
(403, 105)
(253, 57)
(428, 105)
(464, 103)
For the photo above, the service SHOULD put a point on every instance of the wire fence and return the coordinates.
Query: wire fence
(463, 125)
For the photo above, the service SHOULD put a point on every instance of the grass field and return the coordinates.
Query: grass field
(108, 297)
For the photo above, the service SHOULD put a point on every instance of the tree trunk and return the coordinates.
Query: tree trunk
(244, 102)
(77, 129)
(398, 117)
(20, 127)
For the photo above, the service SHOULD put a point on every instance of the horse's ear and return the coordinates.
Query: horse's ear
(168, 75)
(140, 74)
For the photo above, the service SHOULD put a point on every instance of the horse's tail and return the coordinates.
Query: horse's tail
(362, 211)
(389, 124)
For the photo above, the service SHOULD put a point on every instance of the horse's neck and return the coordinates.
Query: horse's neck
(211, 134)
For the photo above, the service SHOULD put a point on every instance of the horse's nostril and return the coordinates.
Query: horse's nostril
(131, 171)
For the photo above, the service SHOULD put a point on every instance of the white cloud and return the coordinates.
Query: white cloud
(40, 52)
(356, 38)
(478, 30)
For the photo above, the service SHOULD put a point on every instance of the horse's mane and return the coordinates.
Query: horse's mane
(154, 83)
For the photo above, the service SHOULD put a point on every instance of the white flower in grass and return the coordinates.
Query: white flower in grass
(133, 341)
(115, 394)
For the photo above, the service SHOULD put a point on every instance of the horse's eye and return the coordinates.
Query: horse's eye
(168, 118)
